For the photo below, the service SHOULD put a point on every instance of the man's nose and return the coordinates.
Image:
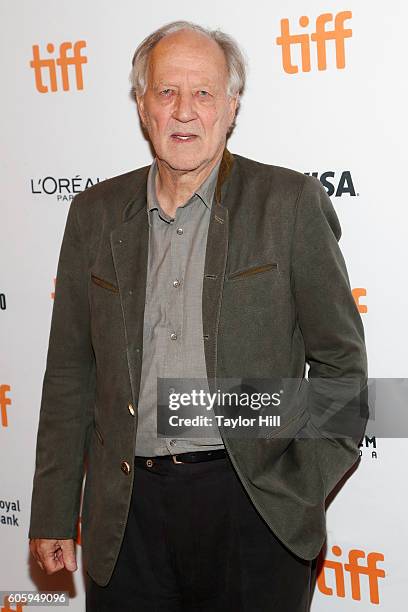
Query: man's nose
(184, 109)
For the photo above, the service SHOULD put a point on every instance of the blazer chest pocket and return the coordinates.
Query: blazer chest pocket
(105, 284)
(254, 270)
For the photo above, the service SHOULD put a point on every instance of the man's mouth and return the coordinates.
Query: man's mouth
(181, 137)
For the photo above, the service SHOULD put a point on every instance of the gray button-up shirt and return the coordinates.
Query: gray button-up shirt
(173, 344)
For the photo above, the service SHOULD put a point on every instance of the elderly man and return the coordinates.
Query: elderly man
(205, 266)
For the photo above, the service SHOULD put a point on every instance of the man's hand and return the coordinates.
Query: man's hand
(53, 555)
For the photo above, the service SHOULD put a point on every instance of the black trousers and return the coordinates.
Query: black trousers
(195, 543)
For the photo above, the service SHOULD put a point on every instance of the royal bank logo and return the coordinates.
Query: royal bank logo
(64, 189)
(9, 512)
(343, 574)
(52, 72)
(313, 46)
(337, 184)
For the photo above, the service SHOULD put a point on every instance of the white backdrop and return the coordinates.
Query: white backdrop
(338, 120)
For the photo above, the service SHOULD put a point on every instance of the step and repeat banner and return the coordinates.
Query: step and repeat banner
(326, 95)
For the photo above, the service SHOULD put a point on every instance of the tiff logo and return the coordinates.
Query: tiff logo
(338, 33)
(4, 402)
(6, 606)
(355, 568)
(64, 60)
(359, 292)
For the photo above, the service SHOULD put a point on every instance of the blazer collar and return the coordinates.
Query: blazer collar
(138, 186)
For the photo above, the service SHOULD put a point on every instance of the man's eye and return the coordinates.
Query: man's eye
(166, 92)
(203, 93)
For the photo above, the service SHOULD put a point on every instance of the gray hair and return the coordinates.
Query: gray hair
(236, 63)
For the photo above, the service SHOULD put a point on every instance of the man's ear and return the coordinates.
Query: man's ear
(234, 103)
(141, 109)
(233, 109)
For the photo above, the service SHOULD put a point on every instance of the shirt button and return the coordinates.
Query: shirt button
(180, 230)
(173, 336)
(176, 283)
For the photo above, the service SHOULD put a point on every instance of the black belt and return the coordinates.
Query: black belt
(193, 457)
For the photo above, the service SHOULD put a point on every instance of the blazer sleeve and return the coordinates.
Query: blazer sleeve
(66, 412)
(332, 331)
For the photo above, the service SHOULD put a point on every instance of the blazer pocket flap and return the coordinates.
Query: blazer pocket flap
(104, 283)
(250, 271)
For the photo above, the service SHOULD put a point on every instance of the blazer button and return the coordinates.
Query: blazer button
(125, 467)
(131, 409)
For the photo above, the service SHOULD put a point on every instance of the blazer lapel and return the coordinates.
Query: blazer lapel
(129, 244)
(214, 269)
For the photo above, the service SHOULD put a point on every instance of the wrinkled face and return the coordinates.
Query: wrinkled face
(186, 109)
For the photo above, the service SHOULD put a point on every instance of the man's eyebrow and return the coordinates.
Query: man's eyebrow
(199, 83)
(164, 84)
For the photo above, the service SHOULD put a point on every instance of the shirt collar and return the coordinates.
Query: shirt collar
(205, 191)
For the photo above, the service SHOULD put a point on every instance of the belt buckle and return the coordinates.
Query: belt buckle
(175, 460)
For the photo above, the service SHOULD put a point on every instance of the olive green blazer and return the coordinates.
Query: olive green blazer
(276, 295)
